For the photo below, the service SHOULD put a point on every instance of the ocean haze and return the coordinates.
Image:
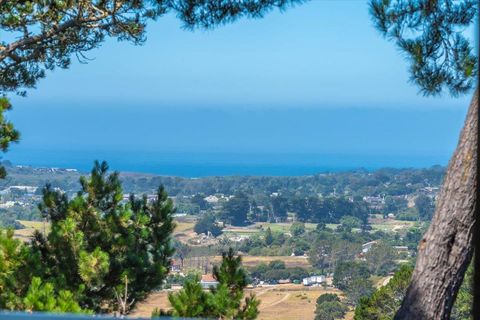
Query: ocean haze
(213, 141)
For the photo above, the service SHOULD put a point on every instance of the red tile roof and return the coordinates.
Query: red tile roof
(208, 278)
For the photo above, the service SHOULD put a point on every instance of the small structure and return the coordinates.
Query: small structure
(208, 281)
(284, 281)
(176, 266)
(212, 199)
(402, 250)
(367, 246)
(313, 280)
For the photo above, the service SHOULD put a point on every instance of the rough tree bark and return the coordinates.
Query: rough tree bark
(447, 247)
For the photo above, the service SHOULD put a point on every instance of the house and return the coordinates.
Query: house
(208, 281)
(374, 202)
(211, 199)
(313, 280)
(176, 266)
(26, 189)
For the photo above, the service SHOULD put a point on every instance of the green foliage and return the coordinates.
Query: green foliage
(353, 278)
(297, 228)
(345, 272)
(431, 35)
(328, 250)
(280, 208)
(347, 223)
(42, 297)
(275, 271)
(207, 224)
(100, 246)
(268, 237)
(8, 134)
(384, 302)
(327, 297)
(462, 308)
(235, 210)
(13, 255)
(225, 301)
(425, 207)
(358, 288)
(199, 201)
(395, 204)
(329, 307)
(409, 214)
(327, 210)
(380, 258)
(276, 264)
(191, 301)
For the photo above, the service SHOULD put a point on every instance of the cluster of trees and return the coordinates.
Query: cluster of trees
(101, 254)
(328, 210)
(330, 307)
(295, 193)
(226, 301)
(240, 210)
(353, 278)
(207, 224)
(386, 300)
(275, 270)
(391, 182)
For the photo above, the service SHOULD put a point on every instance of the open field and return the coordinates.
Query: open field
(391, 225)
(29, 228)
(290, 262)
(183, 226)
(199, 264)
(289, 301)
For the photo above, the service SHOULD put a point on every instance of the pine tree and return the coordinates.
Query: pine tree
(385, 301)
(109, 252)
(268, 237)
(226, 301)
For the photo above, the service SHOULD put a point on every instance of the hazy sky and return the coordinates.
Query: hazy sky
(316, 78)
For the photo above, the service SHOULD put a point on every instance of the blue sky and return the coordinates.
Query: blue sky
(317, 78)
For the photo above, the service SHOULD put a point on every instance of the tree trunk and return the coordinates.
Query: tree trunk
(447, 247)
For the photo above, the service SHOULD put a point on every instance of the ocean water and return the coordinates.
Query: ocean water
(199, 164)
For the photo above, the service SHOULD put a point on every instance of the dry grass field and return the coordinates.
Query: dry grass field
(29, 227)
(289, 301)
(290, 262)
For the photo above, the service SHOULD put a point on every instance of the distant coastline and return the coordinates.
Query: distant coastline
(204, 164)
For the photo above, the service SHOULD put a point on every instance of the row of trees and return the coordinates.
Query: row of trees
(240, 210)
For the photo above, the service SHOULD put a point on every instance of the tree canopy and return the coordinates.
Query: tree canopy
(432, 36)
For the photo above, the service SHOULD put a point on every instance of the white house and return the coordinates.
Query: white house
(313, 280)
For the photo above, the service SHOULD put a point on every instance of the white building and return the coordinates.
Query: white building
(212, 199)
(313, 280)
